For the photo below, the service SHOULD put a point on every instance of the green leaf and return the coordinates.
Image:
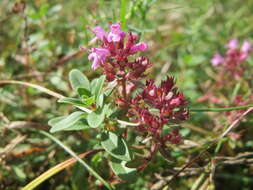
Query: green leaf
(96, 118)
(20, 173)
(78, 80)
(84, 92)
(76, 102)
(97, 88)
(89, 101)
(116, 146)
(120, 169)
(93, 85)
(65, 122)
(55, 120)
(72, 101)
(123, 7)
(79, 125)
(100, 100)
(110, 111)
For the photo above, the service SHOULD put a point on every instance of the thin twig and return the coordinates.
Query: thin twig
(23, 125)
(14, 142)
(43, 89)
(234, 124)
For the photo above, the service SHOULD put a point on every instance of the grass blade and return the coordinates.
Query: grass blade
(56, 169)
(123, 14)
(220, 109)
(68, 150)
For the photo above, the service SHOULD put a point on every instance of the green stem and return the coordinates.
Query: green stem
(123, 13)
(220, 109)
(57, 141)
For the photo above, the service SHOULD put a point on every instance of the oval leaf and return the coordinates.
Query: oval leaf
(79, 125)
(84, 92)
(97, 88)
(96, 118)
(116, 146)
(78, 80)
(100, 100)
(120, 169)
(72, 101)
(62, 123)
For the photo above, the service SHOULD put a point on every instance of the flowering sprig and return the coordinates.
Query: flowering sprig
(117, 65)
(113, 52)
(153, 107)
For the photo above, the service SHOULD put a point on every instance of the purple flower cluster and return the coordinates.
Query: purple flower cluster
(167, 104)
(235, 56)
(115, 57)
(114, 51)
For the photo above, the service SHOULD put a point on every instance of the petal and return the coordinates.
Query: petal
(243, 56)
(95, 63)
(217, 59)
(91, 56)
(102, 52)
(113, 37)
(99, 32)
(232, 44)
(115, 28)
(138, 47)
(246, 46)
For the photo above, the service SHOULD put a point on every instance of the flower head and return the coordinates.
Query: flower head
(167, 104)
(234, 57)
(114, 51)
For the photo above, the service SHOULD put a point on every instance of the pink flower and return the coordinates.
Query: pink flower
(232, 44)
(98, 55)
(175, 102)
(245, 49)
(217, 59)
(138, 47)
(99, 32)
(116, 34)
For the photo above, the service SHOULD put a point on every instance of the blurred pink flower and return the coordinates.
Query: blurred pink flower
(98, 55)
(246, 46)
(232, 44)
(99, 32)
(217, 59)
(245, 49)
